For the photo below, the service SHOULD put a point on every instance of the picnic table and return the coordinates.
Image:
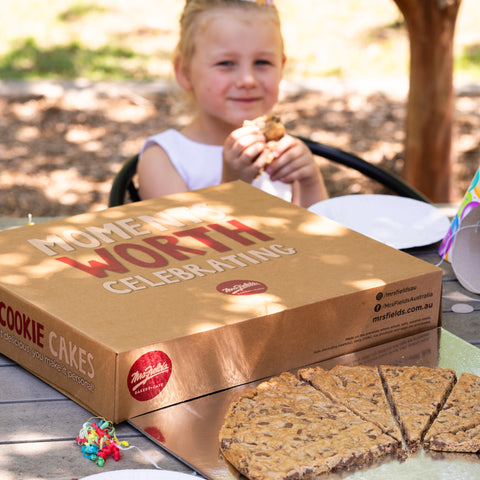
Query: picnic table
(39, 425)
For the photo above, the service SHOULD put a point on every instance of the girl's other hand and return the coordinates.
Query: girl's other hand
(294, 163)
(244, 154)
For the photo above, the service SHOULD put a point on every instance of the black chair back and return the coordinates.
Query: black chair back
(124, 190)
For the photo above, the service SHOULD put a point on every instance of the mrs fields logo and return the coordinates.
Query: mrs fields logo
(149, 375)
(242, 287)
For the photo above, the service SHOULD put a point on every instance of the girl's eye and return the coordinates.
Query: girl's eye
(263, 62)
(225, 63)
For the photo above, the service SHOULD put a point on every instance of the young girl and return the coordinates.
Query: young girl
(230, 59)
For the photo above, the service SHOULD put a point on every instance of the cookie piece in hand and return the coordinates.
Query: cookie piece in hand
(273, 129)
(270, 125)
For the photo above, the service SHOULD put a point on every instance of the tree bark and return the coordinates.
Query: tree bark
(428, 142)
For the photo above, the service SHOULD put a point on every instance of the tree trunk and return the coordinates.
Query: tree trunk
(431, 26)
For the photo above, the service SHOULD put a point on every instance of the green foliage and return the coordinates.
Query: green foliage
(103, 40)
(469, 60)
(58, 48)
(334, 72)
(79, 10)
(27, 60)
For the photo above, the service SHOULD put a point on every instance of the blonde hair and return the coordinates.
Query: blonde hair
(195, 9)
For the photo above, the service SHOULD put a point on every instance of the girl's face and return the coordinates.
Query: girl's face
(237, 66)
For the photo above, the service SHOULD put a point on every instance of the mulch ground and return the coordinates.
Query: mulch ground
(60, 152)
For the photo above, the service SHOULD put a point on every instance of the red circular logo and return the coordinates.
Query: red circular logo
(149, 375)
(242, 287)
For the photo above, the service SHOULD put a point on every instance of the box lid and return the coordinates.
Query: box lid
(190, 262)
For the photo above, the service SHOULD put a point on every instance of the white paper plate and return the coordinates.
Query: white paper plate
(396, 221)
(141, 475)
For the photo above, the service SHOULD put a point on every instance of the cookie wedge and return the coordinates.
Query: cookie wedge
(416, 395)
(457, 427)
(358, 388)
(285, 429)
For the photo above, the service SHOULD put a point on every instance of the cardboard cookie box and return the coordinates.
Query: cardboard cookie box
(149, 304)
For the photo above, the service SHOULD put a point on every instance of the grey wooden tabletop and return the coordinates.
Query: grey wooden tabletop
(38, 425)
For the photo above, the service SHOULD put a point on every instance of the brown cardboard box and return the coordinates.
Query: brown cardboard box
(145, 305)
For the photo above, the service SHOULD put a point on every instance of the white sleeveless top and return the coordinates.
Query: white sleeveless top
(200, 165)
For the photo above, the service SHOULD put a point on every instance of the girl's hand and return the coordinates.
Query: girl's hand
(294, 163)
(244, 154)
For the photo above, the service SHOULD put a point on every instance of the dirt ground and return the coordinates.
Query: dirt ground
(61, 151)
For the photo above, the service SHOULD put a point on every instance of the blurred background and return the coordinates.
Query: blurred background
(83, 83)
